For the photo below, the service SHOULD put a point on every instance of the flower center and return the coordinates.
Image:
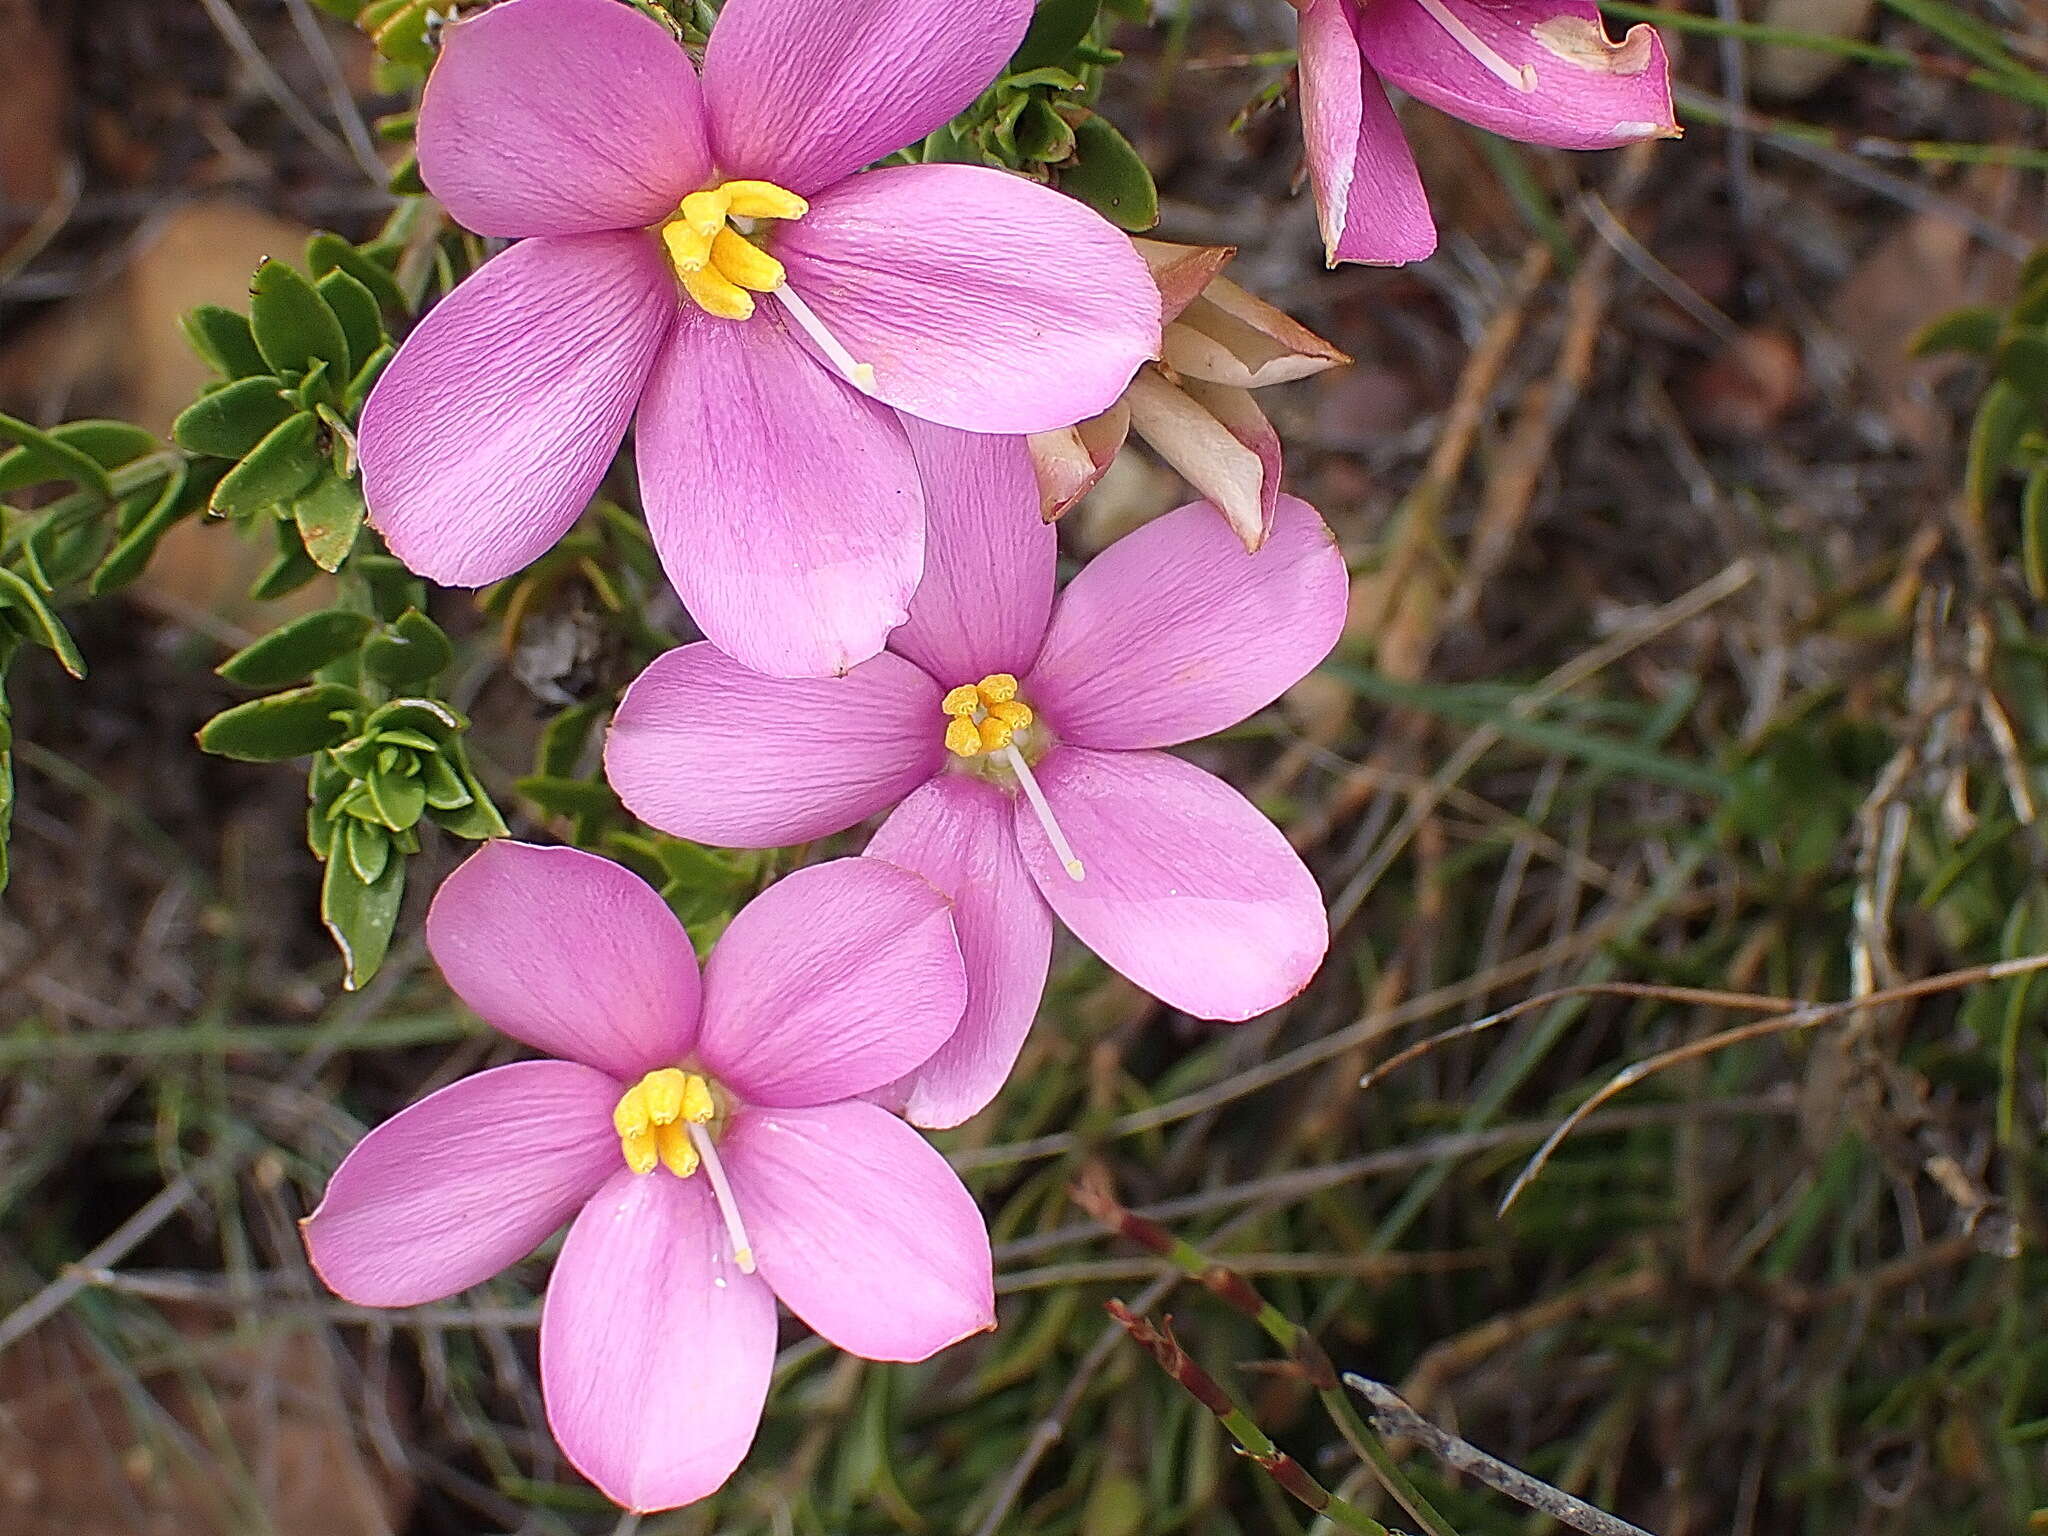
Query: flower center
(984, 719)
(669, 1119)
(1519, 77)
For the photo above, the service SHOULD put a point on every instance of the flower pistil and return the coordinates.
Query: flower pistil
(984, 719)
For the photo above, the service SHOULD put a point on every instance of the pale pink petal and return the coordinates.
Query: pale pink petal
(956, 833)
(785, 505)
(1234, 462)
(1230, 336)
(1182, 272)
(802, 92)
(862, 1229)
(655, 1350)
(1369, 197)
(1190, 892)
(704, 748)
(1174, 632)
(571, 953)
(988, 557)
(1586, 92)
(833, 981)
(445, 1194)
(1070, 460)
(561, 117)
(486, 436)
(982, 301)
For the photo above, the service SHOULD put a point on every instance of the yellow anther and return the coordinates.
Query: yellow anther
(641, 1149)
(654, 1116)
(678, 1156)
(663, 1092)
(745, 264)
(717, 294)
(997, 688)
(963, 737)
(629, 1116)
(964, 700)
(705, 211)
(760, 200)
(698, 1107)
(996, 734)
(1015, 714)
(687, 248)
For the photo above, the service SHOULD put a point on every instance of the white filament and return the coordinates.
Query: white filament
(1036, 796)
(1520, 77)
(721, 1191)
(860, 375)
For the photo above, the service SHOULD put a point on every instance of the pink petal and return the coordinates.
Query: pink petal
(803, 92)
(956, 833)
(703, 748)
(785, 505)
(862, 1229)
(833, 981)
(655, 1350)
(1174, 632)
(571, 953)
(1190, 892)
(1369, 197)
(1072, 459)
(982, 300)
(1589, 93)
(467, 1181)
(517, 138)
(988, 557)
(486, 436)
(1219, 441)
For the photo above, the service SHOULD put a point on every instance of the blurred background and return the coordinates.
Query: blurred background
(1694, 645)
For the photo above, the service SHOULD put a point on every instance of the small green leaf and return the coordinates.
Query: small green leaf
(18, 597)
(569, 797)
(389, 586)
(224, 340)
(477, 820)
(399, 800)
(275, 471)
(430, 717)
(291, 724)
(327, 253)
(1057, 28)
(446, 790)
(1109, 176)
(360, 915)
(368, 850)
(293, 327)
(1994, 434)
(62, 549)
(127, 559)
(233, 419)
(410, 652)
(366, 378)
(1973, 330)
(297, 650)
(405, 180)
(289, 571)
(2034, 533)
(45, 456)
(2023, 363)
(560, 752)
(356, 308)
(400, 32)
(329, 516)
(1042, 134)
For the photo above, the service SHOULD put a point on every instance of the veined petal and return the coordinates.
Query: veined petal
(1369, 197)
(1586, 92)
(982, 301)
(862, 1229)
(561, 117)
(956, 833)
(1235, 464)
(571, 953)
(785, 505)
(486, 436)
(448, 1192)
(655, 1350)
(1174, 632)
(833, 981)
(804, 92)
(1191, 893)
(988, 557)
(703, 748)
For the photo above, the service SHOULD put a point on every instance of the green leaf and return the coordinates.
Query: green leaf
(410, 652)
(127, 559)
(476, 821)
(1973, 330)
(430, 717)
(2023, 363)
(45, 456)
(1042, 134)
(401, 33)
(18, 597)
(389, 586)
(356, 308)
(329, 516)
(366, 378)
(291, 724)
(446, 790)
(561, 745)
(1057, 28)
(293, 327)
(361, 915)
(367, 848)
(289, 571)
(233, 419)
(1109, 176)
(569, 797)
(2034, 533)
(224, 340)
(275, 471)
(327, 253)
(62, 549)
(1995, 431)
(400, 800)
(297, 650)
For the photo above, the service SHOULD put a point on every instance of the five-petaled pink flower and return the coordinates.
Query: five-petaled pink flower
(1542, 71)
(708, 1137)
(1020, 735)
(709, 260)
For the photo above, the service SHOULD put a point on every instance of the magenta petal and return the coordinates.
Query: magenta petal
(833, 981)
(786, 506)
(862, 1229)
(983, 301)
(1190, 892)
(1369, 197)
(956, 833)
(802, 92)
(445, 1194)
(571, 953)
(1588, 92)
(704, 748)
(487, 434)
(1174, 632)
(988, 557)
(655, 1350)
(518, 137)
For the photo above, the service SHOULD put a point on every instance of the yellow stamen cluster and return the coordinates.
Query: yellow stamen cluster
(654, 1116)
(986, 715)
(717, 264)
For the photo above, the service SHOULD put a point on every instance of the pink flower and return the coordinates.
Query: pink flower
(704, 260)
(1017, 737)
(1542, 71)
(709, 1139)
